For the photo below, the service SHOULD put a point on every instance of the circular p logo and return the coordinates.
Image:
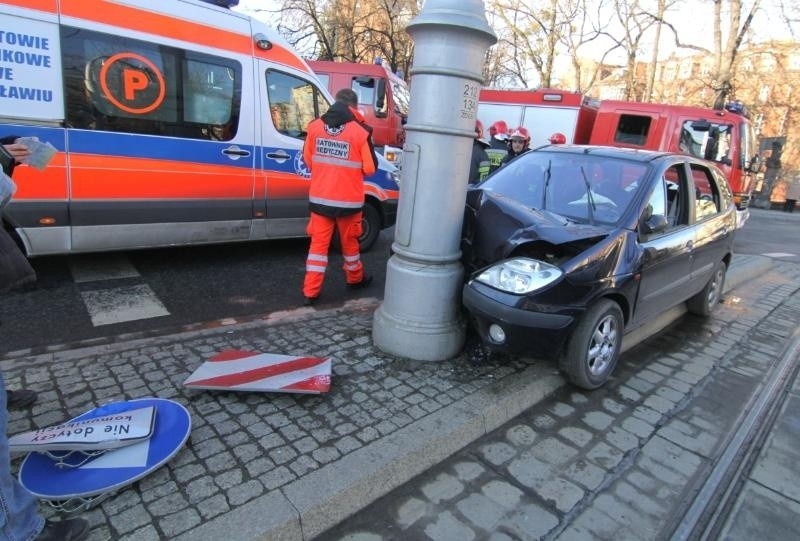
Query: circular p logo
(132, 83)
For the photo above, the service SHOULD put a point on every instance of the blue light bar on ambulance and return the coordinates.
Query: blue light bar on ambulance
(223, 3)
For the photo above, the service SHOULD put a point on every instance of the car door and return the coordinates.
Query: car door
(289, 100)
(665, 273)
(714, 225)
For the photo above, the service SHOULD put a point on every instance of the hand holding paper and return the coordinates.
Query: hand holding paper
(40, 153)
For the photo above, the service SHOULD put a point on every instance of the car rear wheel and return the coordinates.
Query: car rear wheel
(594, 347)
(705, 302)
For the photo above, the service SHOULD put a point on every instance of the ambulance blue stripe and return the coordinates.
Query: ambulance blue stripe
(167, 148)
(157, 148)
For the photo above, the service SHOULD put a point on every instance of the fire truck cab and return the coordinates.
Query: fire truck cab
(383, 99)
(724, 137)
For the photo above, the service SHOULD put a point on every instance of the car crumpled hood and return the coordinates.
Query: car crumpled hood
(501, 224)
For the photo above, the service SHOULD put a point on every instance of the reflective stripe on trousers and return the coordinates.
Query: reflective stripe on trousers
(320, 228)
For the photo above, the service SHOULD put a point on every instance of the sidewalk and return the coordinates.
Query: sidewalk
(768, 503)
(282, 466)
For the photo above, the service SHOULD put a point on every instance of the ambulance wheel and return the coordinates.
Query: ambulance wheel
(370, 227)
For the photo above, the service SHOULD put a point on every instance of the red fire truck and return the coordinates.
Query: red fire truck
(383, 98)
(724, 137)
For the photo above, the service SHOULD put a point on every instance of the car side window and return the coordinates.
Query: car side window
(669, 199)
(707, 196)
(293, 103)
(675, 181)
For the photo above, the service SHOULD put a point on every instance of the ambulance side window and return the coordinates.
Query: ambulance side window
(118, 84)
(293, 103)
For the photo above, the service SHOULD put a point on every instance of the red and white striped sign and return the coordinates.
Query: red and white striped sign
(236, 370)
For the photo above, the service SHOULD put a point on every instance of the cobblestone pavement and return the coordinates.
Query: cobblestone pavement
(622, 462)
(280, 465)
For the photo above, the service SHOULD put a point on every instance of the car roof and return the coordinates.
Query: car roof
(632, 154)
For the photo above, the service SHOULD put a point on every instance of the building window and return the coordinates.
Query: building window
(768, 62)
(763, 94)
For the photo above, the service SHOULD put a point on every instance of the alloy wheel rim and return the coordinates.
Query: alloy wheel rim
(602, 346)
(713, 291)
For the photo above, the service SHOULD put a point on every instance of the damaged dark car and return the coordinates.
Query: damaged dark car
(567, 248)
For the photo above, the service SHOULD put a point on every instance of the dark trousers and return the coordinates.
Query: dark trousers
(788, 206)
(14, 267)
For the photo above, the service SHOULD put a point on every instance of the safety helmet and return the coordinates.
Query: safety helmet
(520, 133)
(499, 130)
(558, 139)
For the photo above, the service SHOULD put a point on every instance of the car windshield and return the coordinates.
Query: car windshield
(581, 187)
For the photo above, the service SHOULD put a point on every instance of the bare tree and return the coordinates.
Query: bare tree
(350, 30)
(534, 32)
(724, 50)
(726, 56)
(585, 28)
(635, 22)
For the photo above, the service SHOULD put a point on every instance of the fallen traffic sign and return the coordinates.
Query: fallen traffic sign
(75, 481)
(237, 370)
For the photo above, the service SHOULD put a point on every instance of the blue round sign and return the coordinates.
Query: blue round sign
(109, 472)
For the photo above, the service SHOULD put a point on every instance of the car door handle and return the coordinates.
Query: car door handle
(236, 151)
(280, 156)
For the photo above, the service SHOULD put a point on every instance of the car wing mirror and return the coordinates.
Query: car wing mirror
(655, 224)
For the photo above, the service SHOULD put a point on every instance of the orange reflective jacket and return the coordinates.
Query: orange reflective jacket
(339, 152)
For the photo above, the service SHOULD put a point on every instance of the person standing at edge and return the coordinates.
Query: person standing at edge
(19, 509)
(479, 162)
(339, 152)
(14, 267)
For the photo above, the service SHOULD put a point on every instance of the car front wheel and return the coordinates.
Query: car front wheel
(594, 347)
(704, 303)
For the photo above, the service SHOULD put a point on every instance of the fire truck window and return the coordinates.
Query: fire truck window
(632, 129)
(706, 140)
(401, 97)
(293, 103)
(325, 79)
(364, 87)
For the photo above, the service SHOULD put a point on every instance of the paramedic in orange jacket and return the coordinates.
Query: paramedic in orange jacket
(339, 152)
